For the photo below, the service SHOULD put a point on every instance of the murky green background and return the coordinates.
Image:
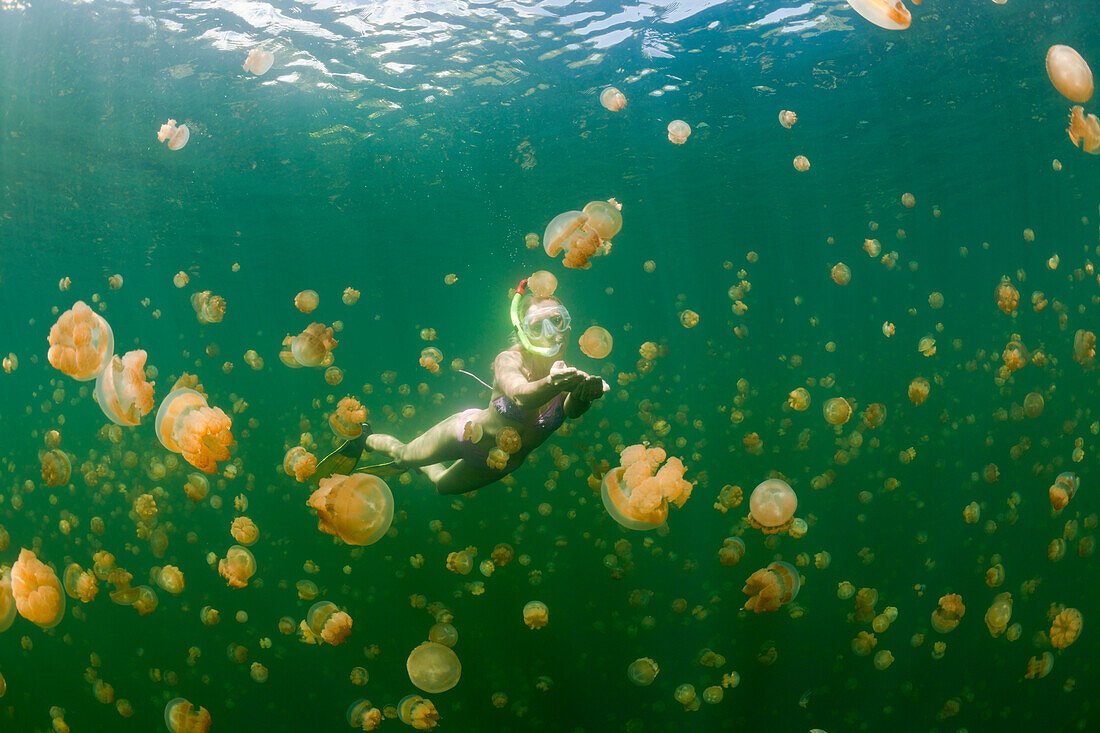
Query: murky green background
(389, 182)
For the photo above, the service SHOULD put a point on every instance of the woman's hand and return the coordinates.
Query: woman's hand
(590, 390)
(565, 377)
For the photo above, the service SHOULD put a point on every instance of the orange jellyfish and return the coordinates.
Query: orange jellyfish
(612, 99)
(182, 717)
(731, 552)
(81, 343)
(584, 234)
(417, 712)
(837, 411)
(542, 284)
(364, 716)
(772, 587)
(889, 14)
(998, 615)
(950, 611)
(37, 592)
(176, 136)
(787, 118)
(79, 584)
(122, 391)
(259, 61)
(313, 346)
(299, 463)
(169, 578)
(346, 420)
(841, 274)
(433, 667)
(678, 132)
(1007, 296)
(186, 424)
(7, 602)
(326, 623)
(245, 531)
(1069, 73)
(306, 301)
(358, 509)
(772, 505)
(1066, 628)
(1062, 490)
(56, 468)
(918, 390)
(595, 342)
(637, 494)
(536, 615)
(642, 671)
(209, 308)
(801, 163)
(1084, 132)
(237, 567)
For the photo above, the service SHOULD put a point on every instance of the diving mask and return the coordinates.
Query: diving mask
(540, 328)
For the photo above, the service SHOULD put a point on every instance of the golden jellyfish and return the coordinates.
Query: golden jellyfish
(237, 567)
(181, 716)
(122, 391)
(37, 591)
(731, 552)
(889, 14)
(1039, 667)
(79, 584)
(927, 345)
(536, 615)
(306, 301)
(637, 494)
(918, 390)
(1033, 404)
(245, 531)
(346, 420)
(445, 634)
(364, 716)
(1084, 347)
(313, 346)
(196, 487)
(837, 411)
(801, 163)
(787, 118)
(417, 712)
(1062, 490)
(56, 468)
(1006, 296)
(1069, 73)
(798, 399)
(999, 614)
(350, 296)
(358, 509)
(689, 319)
(326, 623)
(642, 671)
(1066, 628)
(433, 667)
(595, 342)
(1014, 355)
(186, 424)
(1084, 132)
(299, 463)
(841, 274)
(772, 587)
(175, 135)
(612, 99)
(542, 284)
(7, 602)
(678, 132)
(259, 61)
(209, 308)
(430, 358)
(460, 562)
(583, 234)
(908, 200)
(81, 343)
(772, 505)
(950, 611)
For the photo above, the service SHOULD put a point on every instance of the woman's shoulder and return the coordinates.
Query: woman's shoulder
(508, 358)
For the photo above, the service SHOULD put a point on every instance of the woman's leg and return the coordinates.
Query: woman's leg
(438, 444)
(461, 477)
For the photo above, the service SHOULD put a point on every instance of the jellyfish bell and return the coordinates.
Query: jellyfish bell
(787, 118)
(122, 391)
(81, 343)
(259, 61)
(1069, 73)
(312, 346)
(678, 132)
(358, 508)
(772, 503)
(642, 671)
(612, 99)
(542, 284)
(186, 424)
(37, 591)
(7, 602)
(328, 623)
(595, 342)
(433, 667)
(237, 567)
(181, 716)
(604, 218)
(175, 135)
(889, 14)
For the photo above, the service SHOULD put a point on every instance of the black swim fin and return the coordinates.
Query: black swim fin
(386, 470)
(344, 459)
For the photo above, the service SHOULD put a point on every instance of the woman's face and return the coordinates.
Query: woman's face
(548, 327)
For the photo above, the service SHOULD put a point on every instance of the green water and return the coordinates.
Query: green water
(431, 142)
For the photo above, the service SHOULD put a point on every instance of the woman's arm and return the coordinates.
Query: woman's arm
(508, 375)
(582, 396)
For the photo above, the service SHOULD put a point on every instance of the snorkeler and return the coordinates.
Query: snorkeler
(534, 392)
